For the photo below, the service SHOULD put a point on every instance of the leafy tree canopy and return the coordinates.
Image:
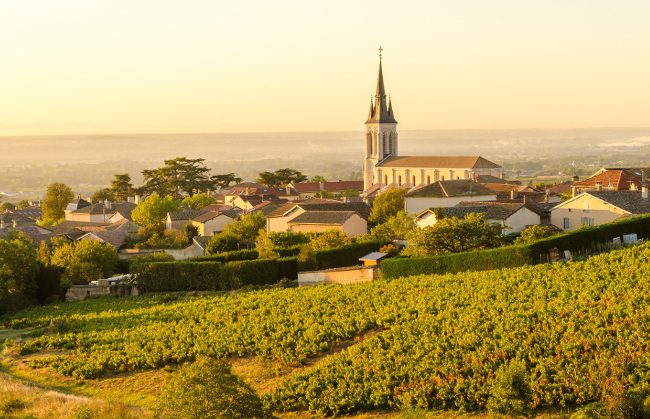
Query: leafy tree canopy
(198, 201)
(85, 260)
(223, 242)
(23, 204)
(247, 227)
(453, 235)
(399, 225)
(387, 205)
(533, 234)
(121, 186)
(223, 181)
(17, 265)
(329, 240)
(7, 206)
(280, 177)
(151, 212)
(56, 200)
(207, 389)
(180, 176)
(318, 178)
(103, 195)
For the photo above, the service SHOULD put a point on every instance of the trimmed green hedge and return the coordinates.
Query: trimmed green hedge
(512, 256)
(185, 276)
(227, 256)
(215, 276)
(287, 252)
(345, 255)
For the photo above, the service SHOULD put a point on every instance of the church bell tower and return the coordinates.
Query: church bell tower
(381, 131)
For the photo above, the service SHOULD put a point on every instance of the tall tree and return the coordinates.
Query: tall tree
(280, 177)
(178, 177)
(18, 268)
(121, 186)
(103, 195)
(387, 205)
(57, 198)
(23, 204)
(151, 212)
(223, 181)
(198, 201)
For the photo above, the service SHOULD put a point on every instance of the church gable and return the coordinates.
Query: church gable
(439, 162)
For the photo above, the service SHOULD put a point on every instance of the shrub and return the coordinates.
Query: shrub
(258, 272)
(208, 389)
(12, 404)
(288, 268)
(184, 276)
(345, 255)
(223, 242)
(288, 239)
(227, 256)
(511, 393)
(330, 239)
(141, 262)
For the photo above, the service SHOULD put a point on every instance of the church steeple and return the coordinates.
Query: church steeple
(381, 111)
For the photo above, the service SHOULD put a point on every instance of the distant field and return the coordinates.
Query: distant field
(433, 342)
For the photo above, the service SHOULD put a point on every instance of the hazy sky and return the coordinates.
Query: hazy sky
(207, 66)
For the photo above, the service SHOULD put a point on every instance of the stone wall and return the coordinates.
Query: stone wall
(81, 292)
(349, 275)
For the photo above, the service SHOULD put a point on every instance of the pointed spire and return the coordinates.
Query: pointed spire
(380, 112)
(372, 110)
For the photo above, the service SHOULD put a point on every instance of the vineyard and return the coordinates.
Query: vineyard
(582, 330)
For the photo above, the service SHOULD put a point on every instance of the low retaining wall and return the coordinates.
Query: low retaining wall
(349, 275)
(81, 292)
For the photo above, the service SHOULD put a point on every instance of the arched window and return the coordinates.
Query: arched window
(385, 143)
(443, 178)
(385, 179)
(413, 183)
(399, 179)
(369, 144)
(428, 180)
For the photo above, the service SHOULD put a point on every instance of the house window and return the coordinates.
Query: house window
(443, 178)
(413, 181)
(428, 180)
(399, 181)
(586, 221)
(566, 223)
(385, 179)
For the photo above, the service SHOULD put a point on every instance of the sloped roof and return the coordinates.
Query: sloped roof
(339, 186)
(323, 217)
(32, 232)
(77, 204)
(630, 201)
(65, 225)
(124, 225)
(451, 188)
(560, 188)
(439, 162)
(114, 238)
(316, 205)
(483, 179)
(618, 179)
(494, 210)
(30, 212)
(184, 215)
(250, 188)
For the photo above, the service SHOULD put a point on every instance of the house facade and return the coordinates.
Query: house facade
(445, 194)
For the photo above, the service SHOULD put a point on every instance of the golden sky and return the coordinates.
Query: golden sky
(79, 66)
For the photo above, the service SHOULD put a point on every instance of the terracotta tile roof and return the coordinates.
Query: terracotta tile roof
(612, 179)
(442, 162)
(250, 188)
(560, 188)
(451, 188)
(339, 186)
(322, 217)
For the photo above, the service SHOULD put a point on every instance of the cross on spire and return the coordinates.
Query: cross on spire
(380, 50)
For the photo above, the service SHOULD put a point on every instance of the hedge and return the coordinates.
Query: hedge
(215, 276)
(517, 255)
(227, 256)
(185, 276)
(286, 252)
(345, 255)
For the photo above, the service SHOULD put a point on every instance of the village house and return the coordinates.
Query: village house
(212, 222)
(596, 207)
(250, 189)
(179, 219)
(515, 217)
(81, 210)
(615, 179)
(444, 194)
(280, 219)
(115, 239)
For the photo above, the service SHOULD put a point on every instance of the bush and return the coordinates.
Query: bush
(289, 239)
(227, 256)
(223, 242)
(140, 263)
(185, 276)
(288, 252)
(345, 255)
(258, 272)
(48, 281)
(511, 393)
(288, 268)
(208, 389)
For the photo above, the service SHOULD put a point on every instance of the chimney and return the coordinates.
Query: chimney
(89, 199)
(599, 186)
(136, 199)
(546, 196)
(321, 186)
(3, 223)
(575, 178)
(130, 199)
(574, 191)
(16, 221)
(247, 190)
(513, 194)
(643, 178)
(503, 175)
(107, 204)
(644, 192)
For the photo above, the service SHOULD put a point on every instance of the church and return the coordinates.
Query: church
(384, 168)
